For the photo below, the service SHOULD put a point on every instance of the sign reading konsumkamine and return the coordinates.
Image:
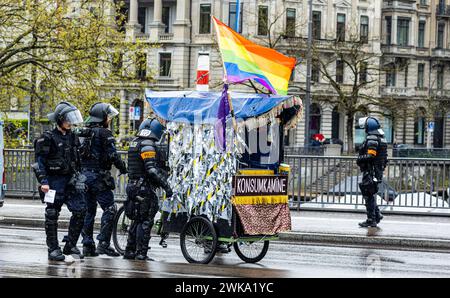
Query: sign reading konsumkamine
(271, 185)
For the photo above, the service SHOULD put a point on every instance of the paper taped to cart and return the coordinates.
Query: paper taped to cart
(202, 173)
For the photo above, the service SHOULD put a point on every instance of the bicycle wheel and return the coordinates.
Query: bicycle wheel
(198, 241)
(251, 251)
(120, 230)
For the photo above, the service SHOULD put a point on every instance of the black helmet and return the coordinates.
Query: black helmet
(65, 111)
(100, 111)
(370, 125)
(151, 128)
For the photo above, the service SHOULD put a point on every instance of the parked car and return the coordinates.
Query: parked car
(2, 166)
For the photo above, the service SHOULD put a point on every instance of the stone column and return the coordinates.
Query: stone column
(133, 26)
(156, 27)
(182, 23)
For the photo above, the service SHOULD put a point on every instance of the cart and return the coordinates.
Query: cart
(200, 237)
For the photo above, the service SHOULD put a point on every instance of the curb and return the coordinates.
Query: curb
(417, 243)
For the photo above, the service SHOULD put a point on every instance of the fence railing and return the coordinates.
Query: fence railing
(315, 181)
(21, 181)
(422, 152)
(324, 181)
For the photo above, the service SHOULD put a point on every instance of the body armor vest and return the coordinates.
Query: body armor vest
(63, 156)
(95, 157)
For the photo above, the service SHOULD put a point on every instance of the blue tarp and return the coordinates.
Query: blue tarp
(202, 107)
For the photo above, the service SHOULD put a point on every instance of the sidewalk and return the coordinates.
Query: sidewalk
(423, 232)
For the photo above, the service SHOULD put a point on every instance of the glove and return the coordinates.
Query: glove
(169, 192)
(123, 171)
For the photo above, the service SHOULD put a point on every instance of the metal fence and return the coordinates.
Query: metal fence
(421, 152)
(324, 181)
(21, 181)
(315, 181)
(311, 150)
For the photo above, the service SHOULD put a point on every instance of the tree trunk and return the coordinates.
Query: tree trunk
(33, 133)
(349, 127)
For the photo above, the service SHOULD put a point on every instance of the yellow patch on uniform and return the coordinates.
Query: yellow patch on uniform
(372, 152)
(149, 154)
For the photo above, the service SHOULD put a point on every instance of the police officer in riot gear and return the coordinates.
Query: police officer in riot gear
(98, 154)
(372, 160)
(146, 165)
(57, 168)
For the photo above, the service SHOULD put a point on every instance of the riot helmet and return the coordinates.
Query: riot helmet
(100, 112)
(66, 112)
(151, 128)
(370, 125)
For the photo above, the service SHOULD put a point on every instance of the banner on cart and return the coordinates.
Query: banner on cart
(251, 190)
(261, 203)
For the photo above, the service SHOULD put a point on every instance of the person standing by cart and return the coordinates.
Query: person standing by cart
(57, 171)
(372, 160)
(146, 173)
(98, 154)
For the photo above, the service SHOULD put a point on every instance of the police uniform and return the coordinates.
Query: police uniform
(57, 163)
(372, 160)
(146, 173)
(96, 166)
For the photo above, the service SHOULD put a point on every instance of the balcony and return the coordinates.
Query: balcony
(398, 50)
(408, 5)
(441, 53)
(443, 11)
(443, 93)
(165, 37)
(398, 91)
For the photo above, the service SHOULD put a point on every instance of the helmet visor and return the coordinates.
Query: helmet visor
(74, 117)
(112, 112)
(362, 122)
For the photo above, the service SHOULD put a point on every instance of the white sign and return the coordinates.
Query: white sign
(137, 113)
(430, 126)
(50, 196)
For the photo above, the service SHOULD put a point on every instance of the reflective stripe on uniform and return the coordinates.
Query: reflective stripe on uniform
(149, 154)
(372, 152)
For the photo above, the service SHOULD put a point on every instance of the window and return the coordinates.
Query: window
(315, 71)
(440, 77)
(292, 77)
(166, 18)
(141, 18)
(316, 24)
(388, 128)
(388, 30)
(364, 29)
(141, 66)
(165, 63)
(363, 72)
(340, 27)
(232, 16)
(263, 20)
(421, 39)
(423, 2)
(440, 35)
(205, 19)
(419, 127)
(390, 77)
(420, 74)
(339, 71)
(403, 31)
(290, 22)
(406, 76)
(315, 116)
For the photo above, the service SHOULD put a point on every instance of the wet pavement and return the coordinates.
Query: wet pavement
(23, 254)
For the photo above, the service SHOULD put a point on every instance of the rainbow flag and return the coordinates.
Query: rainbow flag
(244, 60)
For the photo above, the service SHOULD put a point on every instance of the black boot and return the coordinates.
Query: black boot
(56, 255)
(89, 250)
(379, 218)
(105, 249)
(368, 223)
(129, 255)
(70, 249)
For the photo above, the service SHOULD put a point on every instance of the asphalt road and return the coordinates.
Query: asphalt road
(23, 254)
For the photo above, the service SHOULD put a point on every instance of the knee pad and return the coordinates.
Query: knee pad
(111, 209)
(51, 214)
(146, 225)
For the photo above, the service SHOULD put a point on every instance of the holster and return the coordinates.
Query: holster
(367, 186)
